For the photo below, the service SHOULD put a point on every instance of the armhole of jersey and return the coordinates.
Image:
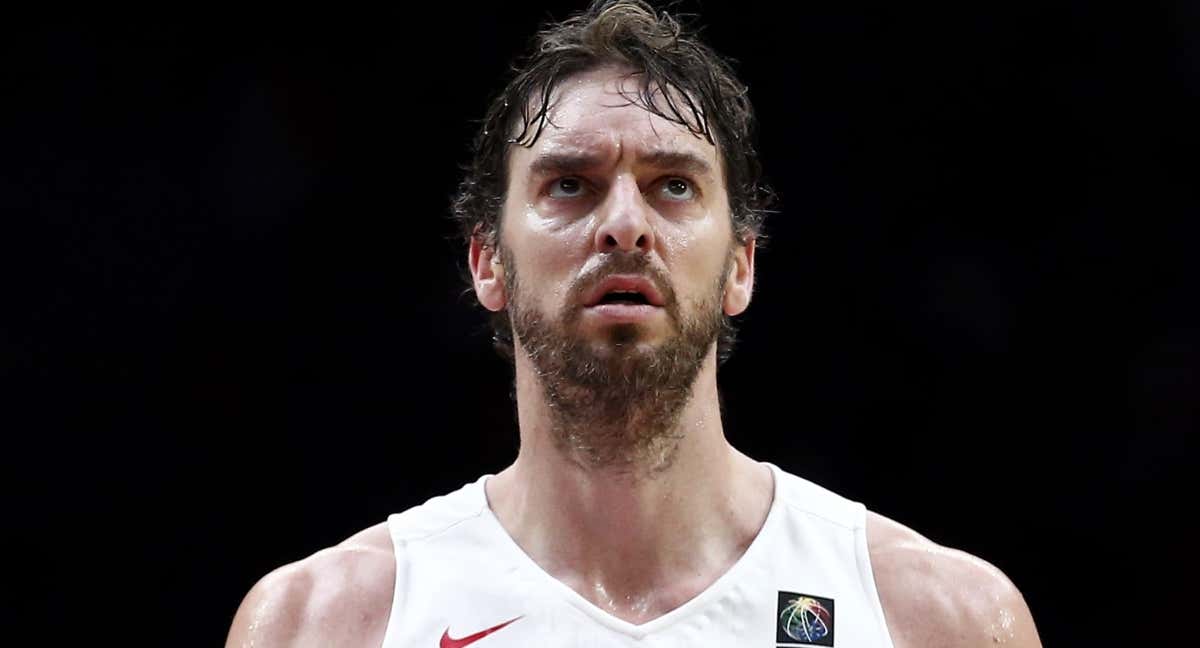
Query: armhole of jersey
(866, 574)
(391, 634)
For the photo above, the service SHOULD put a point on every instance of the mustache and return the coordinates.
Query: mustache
(627, 263)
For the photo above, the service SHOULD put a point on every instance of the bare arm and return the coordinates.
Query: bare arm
(934, 596)
(341, 596)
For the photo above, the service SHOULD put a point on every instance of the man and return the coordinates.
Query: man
(611, 217)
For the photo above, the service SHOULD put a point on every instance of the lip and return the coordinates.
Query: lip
(623, 313)
(631, 283)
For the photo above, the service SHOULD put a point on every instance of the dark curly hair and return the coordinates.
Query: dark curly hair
(697, 85)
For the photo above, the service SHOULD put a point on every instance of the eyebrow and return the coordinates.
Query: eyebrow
(682, 160)
(564, 163)
(568, 163)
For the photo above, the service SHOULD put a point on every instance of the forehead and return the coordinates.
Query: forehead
(599, 114)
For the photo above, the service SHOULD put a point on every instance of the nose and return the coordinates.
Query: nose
(625, 219)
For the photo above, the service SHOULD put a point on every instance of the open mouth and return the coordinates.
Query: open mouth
(624, 297)
(625, 290)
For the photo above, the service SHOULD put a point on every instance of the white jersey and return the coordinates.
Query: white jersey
(805, 580)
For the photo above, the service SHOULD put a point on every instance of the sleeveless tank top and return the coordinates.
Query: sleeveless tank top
(805, 580)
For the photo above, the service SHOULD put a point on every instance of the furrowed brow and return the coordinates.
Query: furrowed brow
(563, 163)
(569, 163)
(681, 160)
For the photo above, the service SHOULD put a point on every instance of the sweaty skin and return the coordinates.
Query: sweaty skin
(624, 191)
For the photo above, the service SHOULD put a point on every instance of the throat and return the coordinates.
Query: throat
(635, 548)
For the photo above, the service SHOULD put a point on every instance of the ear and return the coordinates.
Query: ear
(740, 282)
(487, 273)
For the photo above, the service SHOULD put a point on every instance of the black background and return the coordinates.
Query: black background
(234, 332)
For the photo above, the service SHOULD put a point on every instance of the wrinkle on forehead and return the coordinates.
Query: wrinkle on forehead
(602, 112)
(574, 157)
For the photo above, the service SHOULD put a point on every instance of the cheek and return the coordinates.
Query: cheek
(545, 257)
(696, 255)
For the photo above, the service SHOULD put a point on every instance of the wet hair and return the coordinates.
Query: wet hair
(679, 79)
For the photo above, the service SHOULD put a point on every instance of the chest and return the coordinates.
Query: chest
(758, 606)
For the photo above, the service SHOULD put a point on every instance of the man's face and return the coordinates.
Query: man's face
(608, 191)
(616, 261)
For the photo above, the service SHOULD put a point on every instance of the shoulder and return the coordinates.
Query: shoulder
(936, 596)
(338, 596)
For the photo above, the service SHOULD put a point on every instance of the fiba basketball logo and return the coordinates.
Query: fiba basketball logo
(805, 620)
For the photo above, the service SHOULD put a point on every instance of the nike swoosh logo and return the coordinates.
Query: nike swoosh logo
(447, 642)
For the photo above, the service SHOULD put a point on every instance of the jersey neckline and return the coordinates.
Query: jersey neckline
(634, 630)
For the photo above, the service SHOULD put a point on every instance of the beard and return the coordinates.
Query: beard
(615, 404)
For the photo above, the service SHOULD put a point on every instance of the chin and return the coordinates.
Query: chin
(626, 338)
(625, 335)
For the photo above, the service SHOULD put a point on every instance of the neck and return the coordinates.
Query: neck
(636, 540)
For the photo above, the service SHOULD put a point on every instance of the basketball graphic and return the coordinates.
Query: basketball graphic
(805, 619)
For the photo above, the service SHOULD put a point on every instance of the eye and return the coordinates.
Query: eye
(568, 187)
(678, 189)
